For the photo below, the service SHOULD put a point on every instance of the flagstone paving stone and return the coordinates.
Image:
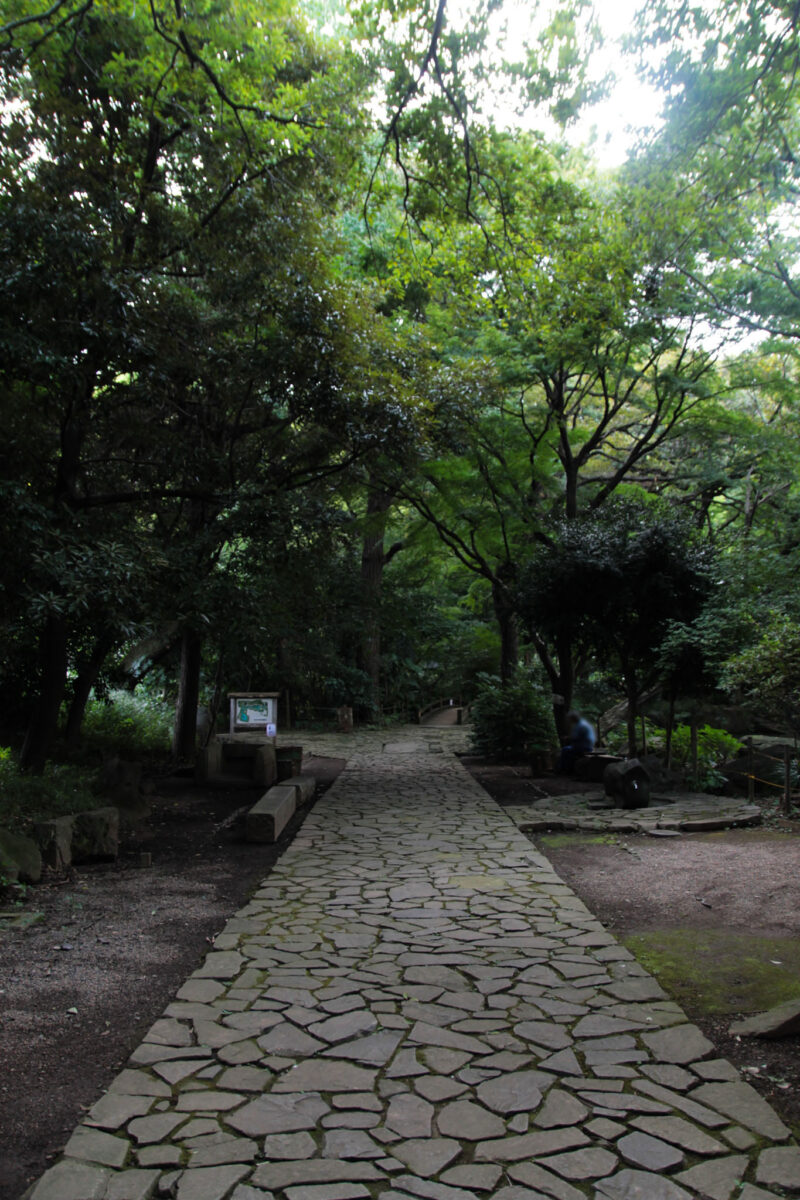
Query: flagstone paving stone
(414, 1006)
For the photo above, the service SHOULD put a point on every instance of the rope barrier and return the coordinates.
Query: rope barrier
(758, 779)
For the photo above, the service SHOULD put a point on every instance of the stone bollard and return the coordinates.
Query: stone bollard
(628, 784)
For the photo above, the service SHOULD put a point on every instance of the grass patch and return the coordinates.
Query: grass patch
(561, 841)
(719, 972)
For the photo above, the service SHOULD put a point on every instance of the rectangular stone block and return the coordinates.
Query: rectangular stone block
(55, 841)
(269, 817)
(304, 786)
(209, 762)
(265, 766)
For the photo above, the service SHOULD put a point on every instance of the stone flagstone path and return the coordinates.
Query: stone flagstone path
(415, 1007)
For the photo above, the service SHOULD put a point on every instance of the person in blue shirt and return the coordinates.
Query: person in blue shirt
(581, 740)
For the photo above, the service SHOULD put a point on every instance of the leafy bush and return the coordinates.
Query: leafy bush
(714, 747)
(25, 799)
(130, 724)
(511, 719)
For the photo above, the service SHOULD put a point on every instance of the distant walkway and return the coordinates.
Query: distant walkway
(415, 1006)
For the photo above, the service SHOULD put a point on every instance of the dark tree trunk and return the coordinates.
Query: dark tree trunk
(44, 722)
(88, 671)
(633, 710)
(184, 741)
(566, 682)
(509, 631)
(373, 562)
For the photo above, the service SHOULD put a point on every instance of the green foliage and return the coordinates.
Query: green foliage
(509, 720)
(130, 724)
(768, 672)
(61, 790)
(715, 747)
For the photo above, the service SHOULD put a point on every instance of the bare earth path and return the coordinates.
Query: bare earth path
(415, 1005)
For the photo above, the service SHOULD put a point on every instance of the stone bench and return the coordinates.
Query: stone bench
(224, 763)
(304, 786)
(591, 768)
(268, 818)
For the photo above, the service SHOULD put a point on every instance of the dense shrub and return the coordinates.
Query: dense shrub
(512, 719)
(129, 724)
(25, 799)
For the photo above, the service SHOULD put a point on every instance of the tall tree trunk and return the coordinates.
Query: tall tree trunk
(373, 562)
(631, 687)
(566, 682)
(184, 741)
(509, 630)
(88, 670)
(43, 725)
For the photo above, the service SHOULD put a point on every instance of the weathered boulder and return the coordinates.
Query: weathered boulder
(55, 841)
(783, 1021)
(95, 835)
(20, 858)
(628, 784)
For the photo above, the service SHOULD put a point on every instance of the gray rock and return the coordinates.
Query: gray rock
(278, 1114)
(679, 1133)
(209, 1183)
(134, 1184)
(590, 1163)
(410, 1116)
(20, 858)
(70, 1180)
(327, 1191)
(350, 1143)
(427, 1156)
(679, 1044)
(543, 1182)
(114, 1110)
(97, 1147)
(277, 1176)
(289, 1146)
(469, 1122)
(54, 838)
(644, 1150)
(783, 1021)
(779, 1165)
(716, 1179)
(95, 835)
(560, 1108)
(516, 1091)
(326, 1075)
(473, 1177)
(742, 1103)
(640, 1185)
(344, 1027)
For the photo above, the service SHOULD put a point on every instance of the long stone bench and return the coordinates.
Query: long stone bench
(268, 818)
(304, 786)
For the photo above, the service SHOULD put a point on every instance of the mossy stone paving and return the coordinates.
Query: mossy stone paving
(665, 815)
(414, 1005)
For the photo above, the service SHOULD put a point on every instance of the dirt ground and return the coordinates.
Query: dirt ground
(79, 989)
(715, 916)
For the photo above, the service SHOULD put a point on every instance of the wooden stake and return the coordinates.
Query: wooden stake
(787, 781)
(693, 729)
(751, 783)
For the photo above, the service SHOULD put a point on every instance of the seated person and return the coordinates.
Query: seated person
(581, 740)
